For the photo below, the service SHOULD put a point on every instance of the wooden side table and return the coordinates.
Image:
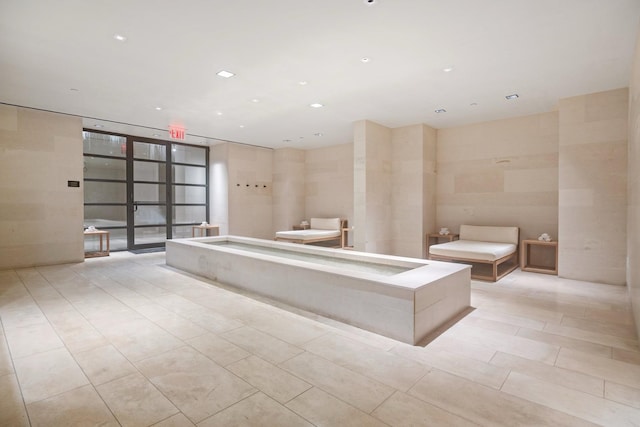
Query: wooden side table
(525, 263)
(203, 230)
(434, 238)
(101, 251)
(300, 227)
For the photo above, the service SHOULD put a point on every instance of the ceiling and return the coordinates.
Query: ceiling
(62, 56)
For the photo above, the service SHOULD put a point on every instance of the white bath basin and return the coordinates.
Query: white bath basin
(402, 298)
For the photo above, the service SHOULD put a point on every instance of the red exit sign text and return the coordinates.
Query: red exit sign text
(176, 133)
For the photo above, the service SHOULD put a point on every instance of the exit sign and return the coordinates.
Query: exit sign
(176, 132)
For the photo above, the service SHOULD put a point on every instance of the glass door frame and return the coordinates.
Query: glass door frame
(132, 203)
(169, 186)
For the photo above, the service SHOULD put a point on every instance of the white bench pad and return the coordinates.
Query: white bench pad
(309, 234)
(470, 249)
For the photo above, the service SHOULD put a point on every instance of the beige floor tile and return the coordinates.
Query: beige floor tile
(194, 383)
(566, 342)
(27, 340)
(551, 374)
(140, 338)
(12, 411)
(465, 367)
(135, 401)
(355, 389)
(268, 378)
(626, 356)
(508, 319)
(257, 410)
(176, 325)
(46, 374)
(293, 329)
(79, 407)
(25, 315)
(104, 364)
(601, 327)
(594, 337)
(391, 369)
(485, 405)
(492, 325)
(6, 364)
(623, 317)
(218, 349)
(177, 420)
(450, 343)
(622, 394)
(607, 369)
(572, 402)
(323, 409)
(402, 410)
(516, 345)
(267, 347)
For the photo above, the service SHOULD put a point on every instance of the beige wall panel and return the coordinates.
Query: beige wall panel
(633, 217)
(501, 173)
(592, 187)
(288, 187)
(41, 218)
(329, 182)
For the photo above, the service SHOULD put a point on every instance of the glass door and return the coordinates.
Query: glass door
(144, 191)
(148, 195)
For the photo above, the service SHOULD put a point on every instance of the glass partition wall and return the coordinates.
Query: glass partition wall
(143, 191)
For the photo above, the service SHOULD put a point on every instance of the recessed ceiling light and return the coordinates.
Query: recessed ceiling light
(218, 113)
(317, 134)
(158, 108)
(286, 140)
(156, 135)
(303, 83)
(447, 69)
(316, 105)
(98, 126)
(473, 104)
(441, 110)
(512, 96)
(73, 89)
(225, 74)
(365, 59)
(242, 126)
(370, 2)
(256, 100)
(120, 37)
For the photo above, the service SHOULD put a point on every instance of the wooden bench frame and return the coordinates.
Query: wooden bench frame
(495, 276)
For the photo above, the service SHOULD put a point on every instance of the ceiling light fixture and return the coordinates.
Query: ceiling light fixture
(512, 96)
(158, 108)
(317, 134)
(286, 140)
(120, 37)
(316, 105)
(218, 113)
(256, 100)
(156, 135)
(441, 110)
(242, 126)
(303, 83)
(98, 126)
(447, 69)
(365, 60)
(225, 74)
(370, 2)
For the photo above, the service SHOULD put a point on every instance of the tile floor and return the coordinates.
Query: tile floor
(125, 340)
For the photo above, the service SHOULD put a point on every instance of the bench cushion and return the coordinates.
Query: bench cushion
(324, 224)
(469, 249)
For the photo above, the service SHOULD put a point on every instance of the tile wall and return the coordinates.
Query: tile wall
(40, 216)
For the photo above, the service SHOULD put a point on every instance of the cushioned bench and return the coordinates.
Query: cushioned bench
(320, 230)
(496, 246)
